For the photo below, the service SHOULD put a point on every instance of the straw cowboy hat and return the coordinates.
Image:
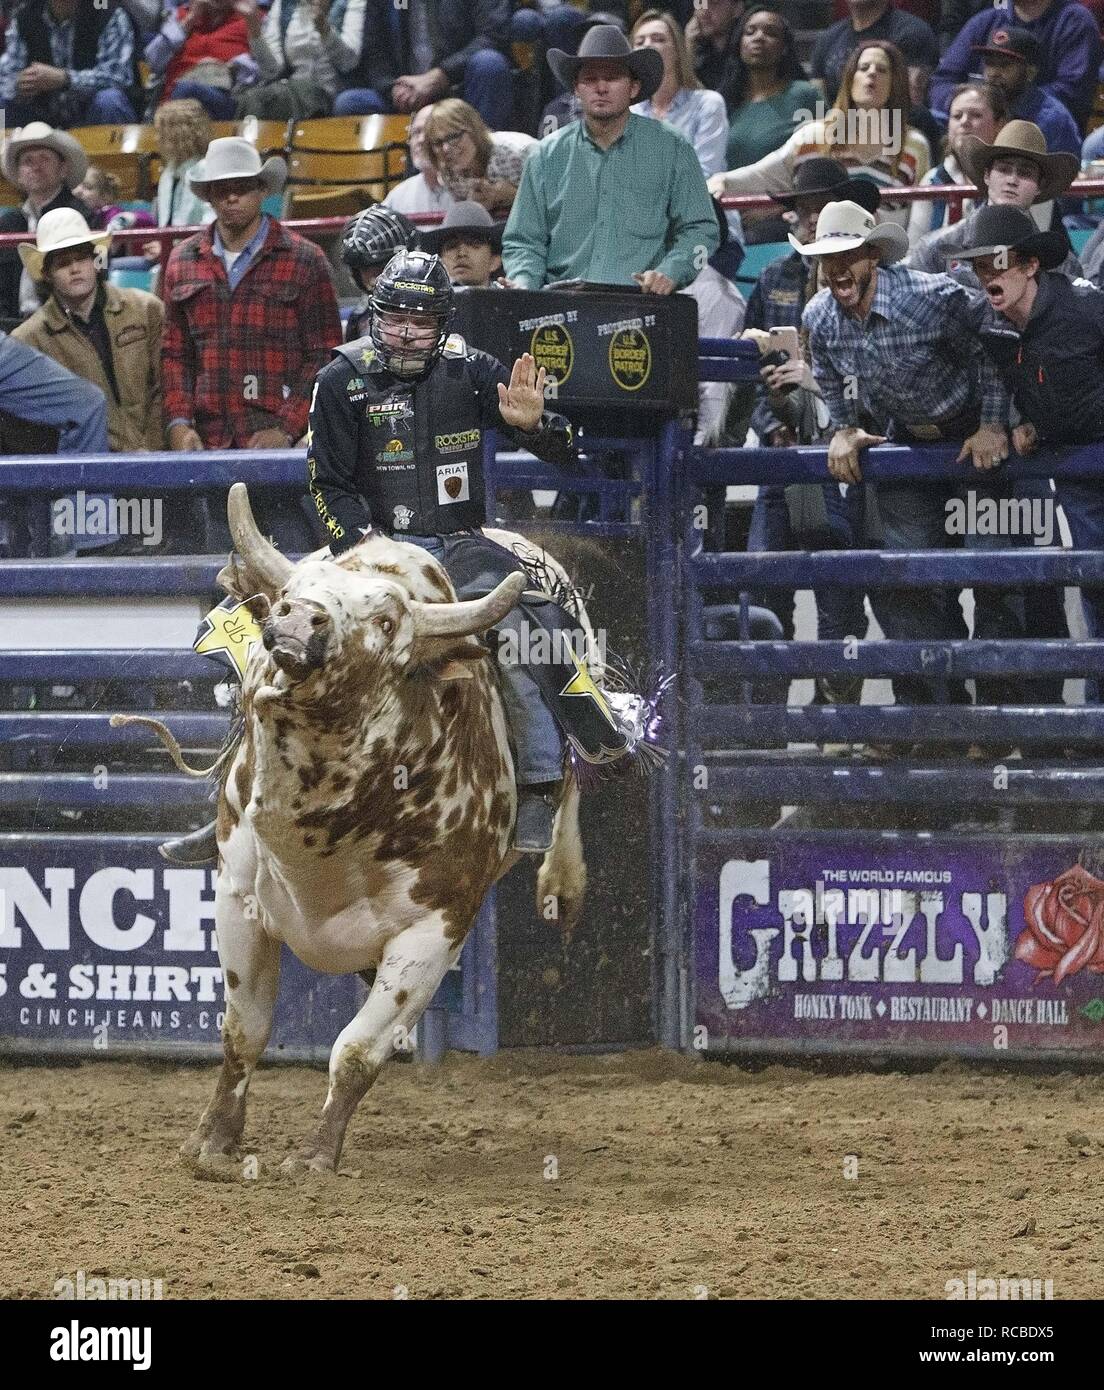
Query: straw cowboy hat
(57, 231)
(234, 158)
(465, 217)
(996, 229)
(605, 41)
(37, 135)
(1057, 171)
(844, 226)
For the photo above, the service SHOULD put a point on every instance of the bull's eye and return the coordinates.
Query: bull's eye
(318, 620)
(284, 609)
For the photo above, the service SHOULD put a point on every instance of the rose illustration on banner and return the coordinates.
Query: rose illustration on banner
(1065, 925)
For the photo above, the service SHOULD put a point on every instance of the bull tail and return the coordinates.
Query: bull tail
(119, 721)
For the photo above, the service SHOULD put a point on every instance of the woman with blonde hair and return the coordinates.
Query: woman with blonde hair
(866, 131)
(473, 162)
(681, 100)
(183, 134)
(977, 108)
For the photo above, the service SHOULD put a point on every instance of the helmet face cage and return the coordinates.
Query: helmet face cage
(373, 237)
(411, 360)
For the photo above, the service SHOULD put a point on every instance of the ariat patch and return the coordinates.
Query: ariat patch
(452, 483)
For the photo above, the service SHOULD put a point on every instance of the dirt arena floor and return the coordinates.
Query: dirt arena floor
(639, 1175)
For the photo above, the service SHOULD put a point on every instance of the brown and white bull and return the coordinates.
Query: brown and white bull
(368, 809)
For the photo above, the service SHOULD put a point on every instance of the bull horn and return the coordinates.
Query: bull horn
(474, 615)
(260, 555)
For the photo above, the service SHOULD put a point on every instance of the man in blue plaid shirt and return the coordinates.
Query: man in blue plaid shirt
(896, 354)
(69, 63)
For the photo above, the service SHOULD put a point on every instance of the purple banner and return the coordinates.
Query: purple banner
(908, 943)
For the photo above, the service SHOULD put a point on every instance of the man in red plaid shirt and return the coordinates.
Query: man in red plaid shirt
(250, 314)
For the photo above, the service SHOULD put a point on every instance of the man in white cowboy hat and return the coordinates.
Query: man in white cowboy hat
(107, 335)
(894, 352)
(45, 165)
(250, 314)
(613, 198)
(1015, 171)
(469, 243)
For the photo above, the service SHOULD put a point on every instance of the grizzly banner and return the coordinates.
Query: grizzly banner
(900, 944)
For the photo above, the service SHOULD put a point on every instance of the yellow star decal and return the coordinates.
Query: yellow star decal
(230, 630)
(582, 683)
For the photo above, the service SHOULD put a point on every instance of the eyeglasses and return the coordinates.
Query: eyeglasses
(446, 142)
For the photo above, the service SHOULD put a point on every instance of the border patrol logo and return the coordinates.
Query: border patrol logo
(630, 358)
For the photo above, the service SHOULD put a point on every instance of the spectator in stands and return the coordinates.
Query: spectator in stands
(977, 108)
(1069, 41)
(472, 162)
(790, 409)
(423, 191)
(368, 242)
(680, 99)
(563, 108)
(613, 198)
(45, 165)
(419, 52)
(866, 130)
(469, 244)
(302, 49)
(1045, 336)
(36, 389)
(201, 53)
(868, 22)
(183, 134)
(1015, 171)
(769, 86)
(713, 33)
(894, 353)
(250, 314)
(69, 63)
(99, 332)
(99, 191)
(1010, 61)
(768, 89)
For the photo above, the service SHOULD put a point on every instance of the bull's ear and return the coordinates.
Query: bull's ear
(240, 583)
(448, 658)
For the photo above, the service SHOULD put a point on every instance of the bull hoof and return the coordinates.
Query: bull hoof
(213, 1167)
(300, 1164)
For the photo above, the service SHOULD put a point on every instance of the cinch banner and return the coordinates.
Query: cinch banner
(104, 946)
(899, 943)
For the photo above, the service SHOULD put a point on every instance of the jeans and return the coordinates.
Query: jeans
(840, 611)
(486, 85)
(538, 746)
(111, 106)
(219, 105)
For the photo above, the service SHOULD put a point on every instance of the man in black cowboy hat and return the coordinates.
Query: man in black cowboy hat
(1015, 171)
(614, 198)
(1045, 335)
(469, 243)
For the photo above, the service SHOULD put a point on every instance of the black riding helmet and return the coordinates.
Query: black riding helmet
(373, 236)
(412, 282)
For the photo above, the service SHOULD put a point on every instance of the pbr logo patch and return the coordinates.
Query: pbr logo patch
(403, 517)
(452, 483)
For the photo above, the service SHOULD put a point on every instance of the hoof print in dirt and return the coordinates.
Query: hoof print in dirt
(306, 1165)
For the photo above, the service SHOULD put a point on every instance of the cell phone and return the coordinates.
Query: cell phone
(785, 340)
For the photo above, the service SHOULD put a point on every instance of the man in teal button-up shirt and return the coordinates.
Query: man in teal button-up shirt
(612, 198)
